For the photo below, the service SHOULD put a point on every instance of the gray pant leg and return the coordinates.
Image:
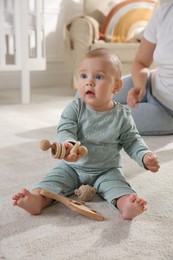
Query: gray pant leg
(152, 120)
(151, 117)
(60, 180)
(111, 185)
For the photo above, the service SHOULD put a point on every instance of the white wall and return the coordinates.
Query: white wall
(58, 71)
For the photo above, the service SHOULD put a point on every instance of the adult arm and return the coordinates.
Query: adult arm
(140, 69)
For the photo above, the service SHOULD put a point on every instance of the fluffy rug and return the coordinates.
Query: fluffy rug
(59, 233)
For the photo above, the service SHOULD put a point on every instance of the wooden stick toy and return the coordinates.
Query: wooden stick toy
(58, 150)
(75, 205)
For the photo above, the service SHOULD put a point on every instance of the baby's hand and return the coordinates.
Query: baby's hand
(151, 162)
(73, 156)
(74, 152)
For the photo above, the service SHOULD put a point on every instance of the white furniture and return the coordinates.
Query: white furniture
(22, 40)
(123, 20)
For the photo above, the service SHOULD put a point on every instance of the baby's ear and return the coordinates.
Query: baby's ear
(118, 86)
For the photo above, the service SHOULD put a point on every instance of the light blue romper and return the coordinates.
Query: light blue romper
(104, 134)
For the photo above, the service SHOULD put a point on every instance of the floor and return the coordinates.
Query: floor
(12, 96)
(43, 112)
(62, 234)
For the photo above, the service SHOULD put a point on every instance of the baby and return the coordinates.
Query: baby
(104, 127)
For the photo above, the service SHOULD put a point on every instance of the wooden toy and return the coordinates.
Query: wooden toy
(58, 150)
(85, 192)
(77, 206)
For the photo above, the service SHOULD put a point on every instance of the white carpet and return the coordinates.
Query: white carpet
(60, 233)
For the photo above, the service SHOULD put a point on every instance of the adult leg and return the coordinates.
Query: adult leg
(151, 117)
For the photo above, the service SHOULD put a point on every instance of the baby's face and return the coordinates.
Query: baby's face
(97, 80)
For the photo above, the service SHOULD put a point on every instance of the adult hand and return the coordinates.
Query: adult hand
(135, 95)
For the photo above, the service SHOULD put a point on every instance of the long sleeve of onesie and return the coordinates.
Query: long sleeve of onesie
(103, 133)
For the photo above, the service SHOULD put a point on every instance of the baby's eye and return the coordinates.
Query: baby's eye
(98, 76)
(83, 76)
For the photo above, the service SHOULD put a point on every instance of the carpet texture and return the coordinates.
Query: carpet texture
(58, 233)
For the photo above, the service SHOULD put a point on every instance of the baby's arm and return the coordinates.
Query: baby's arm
(151, 162)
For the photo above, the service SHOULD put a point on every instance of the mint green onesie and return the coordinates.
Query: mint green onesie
(104, 134)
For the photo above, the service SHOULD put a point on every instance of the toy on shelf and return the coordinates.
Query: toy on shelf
(77, 206)
(58, 150)
(85, 192)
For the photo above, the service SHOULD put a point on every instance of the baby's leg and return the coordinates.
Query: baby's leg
(131, 206)
(33, 202)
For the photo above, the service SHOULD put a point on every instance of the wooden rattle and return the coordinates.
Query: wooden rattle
(74, 205)
(58, 150)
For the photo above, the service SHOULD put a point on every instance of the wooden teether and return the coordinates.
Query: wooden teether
(75, 147)
(83, 151)
(58, 150)
(74, 205)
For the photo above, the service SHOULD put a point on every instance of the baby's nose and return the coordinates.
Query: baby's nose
(91, 84)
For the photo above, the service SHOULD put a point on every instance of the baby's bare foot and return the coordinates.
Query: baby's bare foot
(133, 206)
(28, 201)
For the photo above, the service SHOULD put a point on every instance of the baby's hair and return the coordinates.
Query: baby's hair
(109, 55)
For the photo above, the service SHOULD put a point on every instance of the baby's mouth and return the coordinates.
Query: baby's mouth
(89, 92)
